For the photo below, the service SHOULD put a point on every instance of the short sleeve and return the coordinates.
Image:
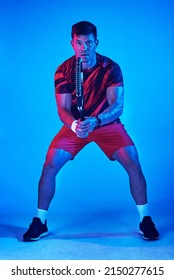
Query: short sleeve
(60, 82)
(114, 76)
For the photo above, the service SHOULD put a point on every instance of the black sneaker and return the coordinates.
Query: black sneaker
(148, 229)
(36, 230)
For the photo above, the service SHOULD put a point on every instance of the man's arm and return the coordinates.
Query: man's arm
(64, 103)
(115, 98)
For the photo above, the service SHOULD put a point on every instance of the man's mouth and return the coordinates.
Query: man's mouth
(84, 54)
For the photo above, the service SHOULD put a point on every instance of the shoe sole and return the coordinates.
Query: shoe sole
(150, 238)
(37, 238)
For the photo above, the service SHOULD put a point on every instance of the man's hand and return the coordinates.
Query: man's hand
(83, 128)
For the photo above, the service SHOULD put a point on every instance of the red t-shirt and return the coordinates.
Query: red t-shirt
(105, 73)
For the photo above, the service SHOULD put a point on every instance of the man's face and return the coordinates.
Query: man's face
(84, 46)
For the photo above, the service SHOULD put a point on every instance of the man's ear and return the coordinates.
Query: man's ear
(96, 42)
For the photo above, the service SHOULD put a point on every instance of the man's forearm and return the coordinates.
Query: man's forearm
(66, 117)
(110, 114)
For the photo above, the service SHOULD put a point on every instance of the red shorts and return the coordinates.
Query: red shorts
(109, 138)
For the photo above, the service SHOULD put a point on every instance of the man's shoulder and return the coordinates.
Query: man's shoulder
(68, 63)
(105, 61)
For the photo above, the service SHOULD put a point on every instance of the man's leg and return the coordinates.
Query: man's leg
(55, 160)
(128, 157)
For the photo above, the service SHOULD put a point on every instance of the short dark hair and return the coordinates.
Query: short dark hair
(84, 28)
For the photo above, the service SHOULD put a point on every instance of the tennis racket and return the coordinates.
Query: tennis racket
(79, 88)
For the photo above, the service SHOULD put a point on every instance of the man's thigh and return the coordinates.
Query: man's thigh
(127, 156)
(111, 138)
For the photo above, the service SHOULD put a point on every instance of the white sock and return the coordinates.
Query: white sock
(143, 211)
(42, 214)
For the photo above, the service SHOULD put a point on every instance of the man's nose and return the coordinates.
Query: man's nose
(84, 46)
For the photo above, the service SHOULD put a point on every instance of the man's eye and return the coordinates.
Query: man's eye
(89, 43)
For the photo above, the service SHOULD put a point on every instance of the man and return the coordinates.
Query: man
(103, 106)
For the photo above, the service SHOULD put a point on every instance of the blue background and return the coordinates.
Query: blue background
(34, 40)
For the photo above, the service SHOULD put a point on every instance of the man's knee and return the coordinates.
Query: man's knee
(55, 160)
(135, 168)
(50, 167)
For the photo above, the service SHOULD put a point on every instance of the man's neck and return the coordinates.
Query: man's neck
(90, 64)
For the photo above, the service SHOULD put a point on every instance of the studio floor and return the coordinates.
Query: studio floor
(94, 234)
